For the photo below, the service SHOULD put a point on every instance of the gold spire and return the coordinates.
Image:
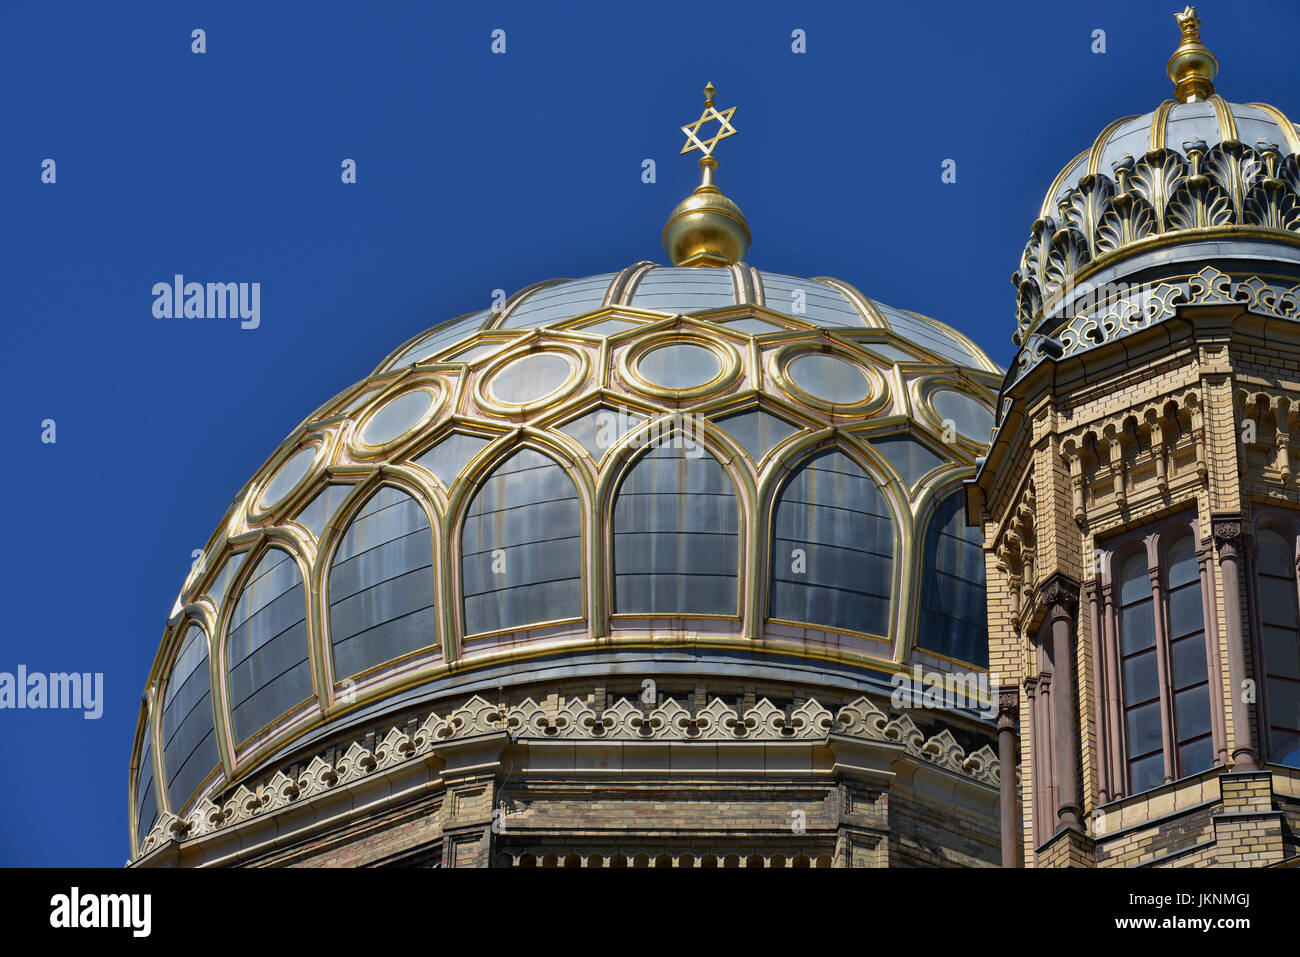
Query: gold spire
(706, 228)
(1192, 67)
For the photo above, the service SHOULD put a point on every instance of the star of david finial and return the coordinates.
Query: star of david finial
(711, 113)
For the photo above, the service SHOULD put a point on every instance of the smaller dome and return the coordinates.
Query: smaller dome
(1155, 199)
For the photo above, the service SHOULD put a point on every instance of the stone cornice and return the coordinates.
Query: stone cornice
(471, 739)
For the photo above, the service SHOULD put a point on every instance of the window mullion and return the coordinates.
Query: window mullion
(1159, 610)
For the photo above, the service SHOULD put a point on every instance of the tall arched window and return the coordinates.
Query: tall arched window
(1139, 669)
(381, 584)
(1164, 675)
(1193, 734)
(521, 548)
(833, 548)
(146, 806)
(676, 535)
(189, 740)
(954, 615)
(266, 653)
(1280, 639)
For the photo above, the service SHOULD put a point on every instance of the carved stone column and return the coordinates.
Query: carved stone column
(1060, 594)
(1227, 540)
(1099, 653)
(1008, 711)
(1114, 724)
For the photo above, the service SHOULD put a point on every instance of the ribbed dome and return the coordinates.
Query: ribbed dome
(1181, 173)
(1172, 125)
(605, 477)
(1196, 194)
(616, 302)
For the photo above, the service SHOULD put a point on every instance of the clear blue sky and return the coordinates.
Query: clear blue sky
(475, 171)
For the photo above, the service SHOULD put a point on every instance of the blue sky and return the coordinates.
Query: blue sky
(474, 172)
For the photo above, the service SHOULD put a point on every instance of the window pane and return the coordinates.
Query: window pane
(676, 535)
(1137, 626)
(522, 546)
(679, 366)
(953, 618)
(146, 801)
(1140, 677)
(267, 646)
(1180, 562)
(1285, 747)
(1189, 660)
(189, 739)
(1277, 600)
(1192, 712)
(1284, 703)
(1134, 582)
(833, 548)
(381, 584)
(1147, 773)
(1282, 651)
(829, 378)
(1276, 554)
(1185, 612)
(531, 377)
(1195, 756)
(1144, 731)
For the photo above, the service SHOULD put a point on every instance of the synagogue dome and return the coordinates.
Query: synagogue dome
(706, 476)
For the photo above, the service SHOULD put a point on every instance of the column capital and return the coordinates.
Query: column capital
(1008, 708)
(1060, 594)
(1227, 533)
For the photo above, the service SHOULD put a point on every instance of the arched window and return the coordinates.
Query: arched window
(954, 616)
(266, 654)
(1193, 735)
(381, 584)
(676, 534)
(521, 548)
(832, 548)
(1280, 639)
(146, 808)
(1139, 670)
(189, 740)
(1164, 676)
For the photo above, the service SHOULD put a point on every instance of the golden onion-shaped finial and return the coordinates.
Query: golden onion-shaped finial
(1192, 67)
(706, 228)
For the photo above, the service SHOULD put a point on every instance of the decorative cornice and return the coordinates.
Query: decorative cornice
(574, 720)
(1140, 306)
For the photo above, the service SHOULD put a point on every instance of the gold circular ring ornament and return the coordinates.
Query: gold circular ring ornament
(677, 366)
(827, 379)
(525, 380)
(394, 419)
(293, 469)
(953, 410)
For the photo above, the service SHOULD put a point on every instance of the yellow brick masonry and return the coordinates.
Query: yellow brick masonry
(1211, 359)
